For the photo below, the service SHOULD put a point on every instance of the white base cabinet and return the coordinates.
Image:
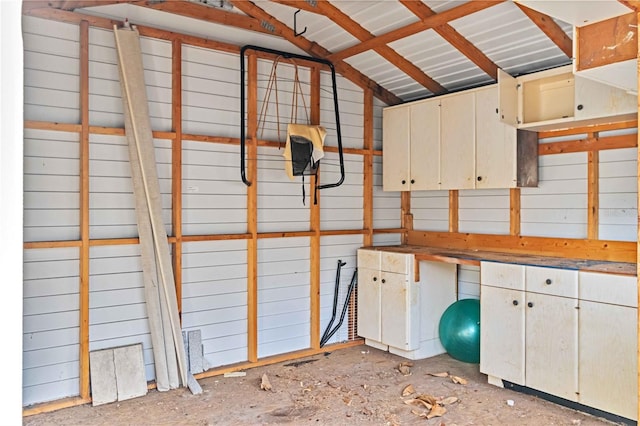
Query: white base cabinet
(567, 333)
(398, 313)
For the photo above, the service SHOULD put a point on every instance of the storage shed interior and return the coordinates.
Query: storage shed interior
(254, 266)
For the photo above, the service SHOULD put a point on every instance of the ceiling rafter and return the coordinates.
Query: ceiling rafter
(314, 49)
(550, 28)
(67, 5)
(631, 4)
(327, 9)
(416, 27)
(455, 39)
(205, 13)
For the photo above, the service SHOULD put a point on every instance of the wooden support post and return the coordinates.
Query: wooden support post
(593, 192)
(252, 208)
(514, 211)
(176, 167)
(367, 187)
(84, 211)
(315, 221)
(453, 210)
(406, 220)
(638, 221)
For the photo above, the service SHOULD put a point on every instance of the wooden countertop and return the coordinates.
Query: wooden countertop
(473, 257)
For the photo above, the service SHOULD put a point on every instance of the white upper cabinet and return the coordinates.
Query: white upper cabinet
(576, 12)
(457, 142)
(556, 98)
(411, 146)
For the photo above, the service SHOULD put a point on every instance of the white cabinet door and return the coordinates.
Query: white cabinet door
(552, 345)
(399, 311)
(595, 100)
(496, 144)
(395, 148)
(502, 333)
(508, 97)
(425, 145)
(369, 320)
(457, 142)
(608, 375)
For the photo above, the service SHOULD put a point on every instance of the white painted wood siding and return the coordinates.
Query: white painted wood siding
(558, 206)
(351, 111)
(51, 185)
(51, 70)
(430, 210)
(341, 207)
(214, 198)
(210, 92)
(468, 282)
(51, 337)
(386, 204)
(618, 193)
(214, 298)
(332, 249)
(111, 200)
(484, 211)
(117, 308)
(105, 100)
(283, 295)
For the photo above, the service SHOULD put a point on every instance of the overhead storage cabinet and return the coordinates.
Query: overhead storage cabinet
(556, 98)
(411, 146)
(455, 141)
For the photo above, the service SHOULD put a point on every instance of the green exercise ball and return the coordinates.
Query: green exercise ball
(460, 330)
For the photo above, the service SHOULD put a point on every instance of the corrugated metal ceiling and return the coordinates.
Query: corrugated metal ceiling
(501, 32)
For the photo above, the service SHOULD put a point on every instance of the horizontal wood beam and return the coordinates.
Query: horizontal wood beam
(588, 129)
(589, 144)
(414, 28)
(619, 251)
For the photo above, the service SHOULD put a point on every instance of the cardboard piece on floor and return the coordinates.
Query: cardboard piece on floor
(117, 374)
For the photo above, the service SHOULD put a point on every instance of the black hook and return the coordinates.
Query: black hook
(295, 26)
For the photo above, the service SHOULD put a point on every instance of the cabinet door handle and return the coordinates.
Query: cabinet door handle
(383, 281)
(580, 107)
(530, 304)
(515, 303)
(404, 181)
(479, 178)
(375, 278)
(548, 281)
(413, 181)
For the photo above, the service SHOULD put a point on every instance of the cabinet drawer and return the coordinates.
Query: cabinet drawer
(609, 288)
(369, 259)
(557, 282)
(503, 275)
(396, 262)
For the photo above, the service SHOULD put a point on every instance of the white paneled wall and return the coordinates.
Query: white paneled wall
(386, 205)
(618, 195)
(214, 298)
(430, 210)
(351, 111)
(50, 325)
(333, 249)
(468, 282)
(214, 198)
(283, 295)
(111, 200)
(105, 101)
(484, 211)
(210, 92)
(51, 186)
(52, 69)
(117, 308)
(558, 206)
(341, 207)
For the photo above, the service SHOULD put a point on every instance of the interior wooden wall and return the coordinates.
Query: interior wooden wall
(591, 247)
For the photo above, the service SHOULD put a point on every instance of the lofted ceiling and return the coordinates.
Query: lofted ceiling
(402, 49)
